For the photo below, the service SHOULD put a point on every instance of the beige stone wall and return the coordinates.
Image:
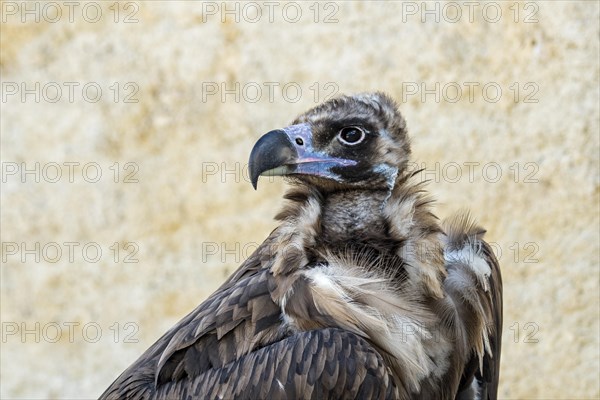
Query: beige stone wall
(178, 212)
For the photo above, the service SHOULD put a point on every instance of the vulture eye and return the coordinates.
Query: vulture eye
(351, 135)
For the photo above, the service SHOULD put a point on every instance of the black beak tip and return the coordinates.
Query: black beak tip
(254, 167)
(272, 150)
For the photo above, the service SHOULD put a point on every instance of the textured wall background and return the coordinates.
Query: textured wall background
(181, 202)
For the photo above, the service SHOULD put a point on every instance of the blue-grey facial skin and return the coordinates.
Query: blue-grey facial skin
(310, 161)
(289, 151)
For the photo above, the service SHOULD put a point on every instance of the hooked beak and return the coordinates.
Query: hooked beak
(289, 151)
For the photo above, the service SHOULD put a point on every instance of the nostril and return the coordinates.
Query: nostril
(299, 141)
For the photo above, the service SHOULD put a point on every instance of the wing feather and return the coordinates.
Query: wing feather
(279, 371)
(474, 285)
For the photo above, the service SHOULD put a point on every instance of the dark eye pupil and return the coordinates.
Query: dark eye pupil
(351, 135)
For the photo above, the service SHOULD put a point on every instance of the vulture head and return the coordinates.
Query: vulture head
(347, 142)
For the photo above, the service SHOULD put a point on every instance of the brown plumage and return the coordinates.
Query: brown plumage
(359, 293)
